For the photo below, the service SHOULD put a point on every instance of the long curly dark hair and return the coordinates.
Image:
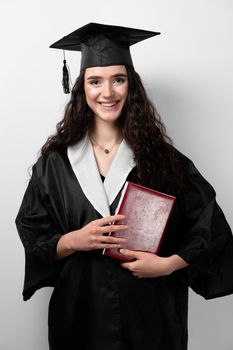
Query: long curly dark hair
(141, 126)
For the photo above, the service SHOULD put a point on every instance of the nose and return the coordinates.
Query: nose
(107, 90)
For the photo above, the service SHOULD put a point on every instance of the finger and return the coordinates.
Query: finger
(136, 275)
(125, 265)
(130, 253)
(109, 245)
(110, 239)
(128, 265)
(109, 219)
(113, 228)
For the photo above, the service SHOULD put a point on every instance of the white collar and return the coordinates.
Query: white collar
(100, 194)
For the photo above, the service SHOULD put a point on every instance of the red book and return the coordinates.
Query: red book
(147, 212)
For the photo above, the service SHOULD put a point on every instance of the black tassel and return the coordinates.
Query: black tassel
(65, 78)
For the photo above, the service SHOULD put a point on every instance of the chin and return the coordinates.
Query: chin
(111, 117)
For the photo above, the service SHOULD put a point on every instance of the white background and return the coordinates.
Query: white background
(189, 75)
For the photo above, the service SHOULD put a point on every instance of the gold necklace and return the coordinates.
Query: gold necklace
(105, 149)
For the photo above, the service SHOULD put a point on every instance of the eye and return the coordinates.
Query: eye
(119, 81)
(95, 82)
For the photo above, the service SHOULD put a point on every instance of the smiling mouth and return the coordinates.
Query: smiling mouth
(108, 104)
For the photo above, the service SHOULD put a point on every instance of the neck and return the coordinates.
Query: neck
(105, 133)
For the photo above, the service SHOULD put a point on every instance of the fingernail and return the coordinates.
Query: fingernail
(122, 251)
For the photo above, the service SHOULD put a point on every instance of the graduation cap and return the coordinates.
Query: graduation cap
(101, 45)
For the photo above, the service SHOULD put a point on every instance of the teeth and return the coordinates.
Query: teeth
(108, 104)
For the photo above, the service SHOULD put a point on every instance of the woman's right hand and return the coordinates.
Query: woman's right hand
(91, 236)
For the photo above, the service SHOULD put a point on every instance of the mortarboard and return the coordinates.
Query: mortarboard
(101, 45)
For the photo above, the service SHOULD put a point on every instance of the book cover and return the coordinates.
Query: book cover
(147, 212)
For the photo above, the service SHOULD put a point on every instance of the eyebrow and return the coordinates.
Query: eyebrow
(113, 76)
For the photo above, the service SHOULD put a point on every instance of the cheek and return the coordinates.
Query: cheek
(90, 94)
(124, 91)
(125, 94)
(122, 94)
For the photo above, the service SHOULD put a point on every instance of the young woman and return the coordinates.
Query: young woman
(111, 133)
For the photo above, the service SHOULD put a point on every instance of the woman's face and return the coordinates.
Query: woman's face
(106, 90)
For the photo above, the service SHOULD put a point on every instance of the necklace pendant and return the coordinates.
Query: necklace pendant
(106, 151)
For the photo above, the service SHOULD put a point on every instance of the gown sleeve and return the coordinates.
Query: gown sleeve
(208, 241)
(39, 235)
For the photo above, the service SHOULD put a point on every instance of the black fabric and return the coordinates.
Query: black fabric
(102, 177)
(96, 304)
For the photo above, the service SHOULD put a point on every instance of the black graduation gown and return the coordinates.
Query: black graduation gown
(98, 305)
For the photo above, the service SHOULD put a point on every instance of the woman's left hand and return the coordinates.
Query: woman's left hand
(151, 265)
